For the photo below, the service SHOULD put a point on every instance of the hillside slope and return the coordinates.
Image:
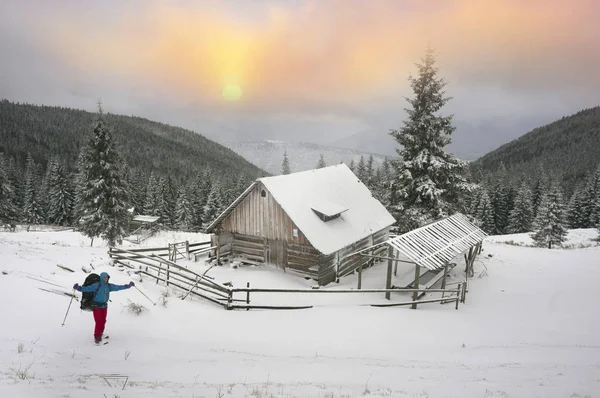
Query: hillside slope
(566, 149)
(53, 131)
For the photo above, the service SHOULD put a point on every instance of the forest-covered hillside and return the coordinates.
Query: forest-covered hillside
(147, 146)
(568, 150)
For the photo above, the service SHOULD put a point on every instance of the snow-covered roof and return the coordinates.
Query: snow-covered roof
(329, 190)
(148, 219)
(433, 245)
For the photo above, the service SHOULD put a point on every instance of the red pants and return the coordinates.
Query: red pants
(100, 318)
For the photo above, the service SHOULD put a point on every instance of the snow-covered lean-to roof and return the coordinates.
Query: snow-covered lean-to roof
(333, 193)
(433, 245)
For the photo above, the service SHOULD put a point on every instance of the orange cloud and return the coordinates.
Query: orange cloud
(332, 51)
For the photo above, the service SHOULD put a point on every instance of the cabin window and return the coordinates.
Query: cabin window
(263, 194)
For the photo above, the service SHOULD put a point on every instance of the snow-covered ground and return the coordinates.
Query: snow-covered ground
(530, 328)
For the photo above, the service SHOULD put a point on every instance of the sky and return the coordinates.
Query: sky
(304, 70)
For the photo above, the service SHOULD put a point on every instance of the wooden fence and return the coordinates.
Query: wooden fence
(150, 263)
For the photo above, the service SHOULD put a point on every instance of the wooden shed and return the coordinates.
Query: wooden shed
(306, 223)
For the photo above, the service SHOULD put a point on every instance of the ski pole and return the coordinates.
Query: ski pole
(144, 294)
(72, 297)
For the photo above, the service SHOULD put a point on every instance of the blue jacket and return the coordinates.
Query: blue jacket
(103, 293)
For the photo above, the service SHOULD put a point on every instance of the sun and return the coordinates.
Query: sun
(232, 92)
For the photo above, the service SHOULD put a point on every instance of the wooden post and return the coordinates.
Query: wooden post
(464, 293)
(230, 300)
(218, 236)
(388, 281)
(187, 249)
(168, 273)
(458, 290)
(416, 286)
(444, 280)
(360, 267)
(248, 296)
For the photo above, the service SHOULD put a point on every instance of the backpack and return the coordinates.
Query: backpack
(87, 298)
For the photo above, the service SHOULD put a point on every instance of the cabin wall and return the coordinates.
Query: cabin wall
(261, 216)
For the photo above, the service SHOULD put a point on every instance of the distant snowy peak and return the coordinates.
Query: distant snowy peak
(268, 154)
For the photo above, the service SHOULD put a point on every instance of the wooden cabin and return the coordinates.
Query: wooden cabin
(305, 222)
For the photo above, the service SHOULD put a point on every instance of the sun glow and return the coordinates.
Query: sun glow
(232, 92)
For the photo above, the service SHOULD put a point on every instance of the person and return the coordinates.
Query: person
(102, 289)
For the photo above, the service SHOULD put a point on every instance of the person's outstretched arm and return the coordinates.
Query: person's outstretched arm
(114, 288)
(85, 289)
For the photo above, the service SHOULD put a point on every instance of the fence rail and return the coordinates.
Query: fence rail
(203, 286)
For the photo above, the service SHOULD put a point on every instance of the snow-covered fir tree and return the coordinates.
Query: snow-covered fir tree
(152, 202)
(321, 162)
(429, 181)
(184, 212)
(60, 195)
(549, 225)
(241, 185)
(361, 170)
(213, 206)
(575, 212)
(521, 216)
(539, 188)
(285, 165)
(105, 194)
(199, 196)
(500, 196)
(484, 212)
(8, 210)
(590, 196)
(352, 166)
(32, 210)
(137, 183)
(369, 172)
(15, 177)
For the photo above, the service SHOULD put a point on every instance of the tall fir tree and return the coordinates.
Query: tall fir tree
(213, 206)
(152, 202)
(8, 210)
(540, 187)
(105, 194)
(484, 212)
(361, 170)
(184, 212)
(321, 162)
(32, 210)
(575, 213)
(549, 224)
(60, 195)
(15, 177)
(590, 195)
(521, 216)
(429, 181)
(285, 164)
(241, 185)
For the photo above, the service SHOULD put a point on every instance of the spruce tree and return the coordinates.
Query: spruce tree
(105, 194)
(152, 202)
(361, 170)
(15, 177)
(484, 212)
(241, 185)
(321, 163)
(184, 212)
(8, 210)
(575, 213)
(429, 181)
(285, 165)
(521, 216)
(60, 195)
(32, 209)
(549, 223)
(213, 206)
